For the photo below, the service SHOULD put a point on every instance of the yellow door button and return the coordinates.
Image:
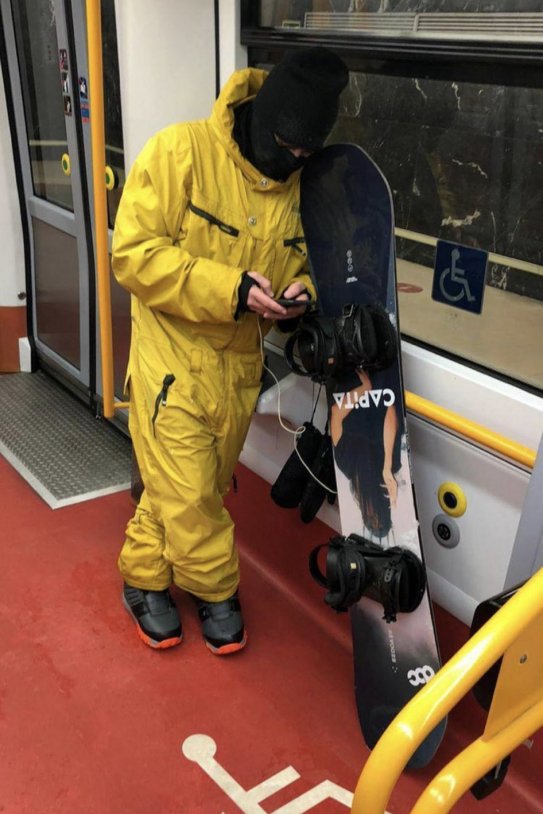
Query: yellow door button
(65, 164)
(111, 178)
(452, 499)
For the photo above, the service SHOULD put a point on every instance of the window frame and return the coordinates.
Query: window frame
(516, 64)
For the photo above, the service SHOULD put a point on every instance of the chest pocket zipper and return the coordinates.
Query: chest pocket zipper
(224, 227)
(295, 242)
(162, 396)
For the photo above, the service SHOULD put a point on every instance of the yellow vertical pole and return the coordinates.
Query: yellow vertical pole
(98, 144)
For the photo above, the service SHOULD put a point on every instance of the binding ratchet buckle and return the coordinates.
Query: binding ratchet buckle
(355, 567)
(363, 336)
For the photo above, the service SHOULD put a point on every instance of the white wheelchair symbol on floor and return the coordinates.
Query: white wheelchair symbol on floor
(456, 276)
(201, 749)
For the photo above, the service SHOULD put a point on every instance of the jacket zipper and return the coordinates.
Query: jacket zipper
(168, 380)
(295, 243)
(224, 227)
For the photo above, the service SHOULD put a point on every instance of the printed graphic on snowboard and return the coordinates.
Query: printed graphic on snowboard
(347, 219)
(366, 425)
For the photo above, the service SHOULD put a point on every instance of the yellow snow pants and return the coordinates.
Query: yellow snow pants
(189, 416)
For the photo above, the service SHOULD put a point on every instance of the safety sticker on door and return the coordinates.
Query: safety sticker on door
(459, 276)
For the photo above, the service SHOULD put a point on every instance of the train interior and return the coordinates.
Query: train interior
(448, 101)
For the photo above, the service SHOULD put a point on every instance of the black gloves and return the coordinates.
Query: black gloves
(243, 293)
(295, 486)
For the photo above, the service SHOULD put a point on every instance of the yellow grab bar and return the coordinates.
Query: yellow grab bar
(434, 701)
(98, 144)
(469, 429)
(475, 761)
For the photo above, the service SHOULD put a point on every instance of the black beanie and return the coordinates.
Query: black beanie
(299, 99)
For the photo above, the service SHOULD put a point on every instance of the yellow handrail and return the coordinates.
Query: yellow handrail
(98, 145)
(469, 429)
(474, 762)
(523, 612)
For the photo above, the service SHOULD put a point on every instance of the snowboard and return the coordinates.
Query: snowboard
(348, 223)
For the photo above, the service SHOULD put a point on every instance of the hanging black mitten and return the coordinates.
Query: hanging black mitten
(314, 492)
(289, 487)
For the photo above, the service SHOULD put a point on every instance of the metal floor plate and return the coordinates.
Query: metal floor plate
(56, 444)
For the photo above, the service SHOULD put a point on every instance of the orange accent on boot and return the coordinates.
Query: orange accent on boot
(175, 640)
(226, 649)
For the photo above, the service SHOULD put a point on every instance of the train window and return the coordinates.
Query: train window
(449, 104)
(465, 164)
(38, 53)
(112, 105)
(409, 18)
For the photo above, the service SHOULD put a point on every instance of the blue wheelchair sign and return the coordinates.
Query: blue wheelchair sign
(459, 276)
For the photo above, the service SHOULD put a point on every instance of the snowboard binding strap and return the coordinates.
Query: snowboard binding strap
(362, 337)
(355, 567)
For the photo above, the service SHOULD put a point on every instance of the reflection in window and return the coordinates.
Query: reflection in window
(465, 164)
(408, 17)
(112, 104)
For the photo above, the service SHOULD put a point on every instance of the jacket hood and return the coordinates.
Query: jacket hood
(241, 87)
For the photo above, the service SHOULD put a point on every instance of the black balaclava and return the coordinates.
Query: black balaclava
(298, 102)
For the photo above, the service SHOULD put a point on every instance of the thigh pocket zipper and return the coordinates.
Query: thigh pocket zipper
(162, 397)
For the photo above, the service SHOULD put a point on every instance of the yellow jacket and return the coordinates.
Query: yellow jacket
(194, 215)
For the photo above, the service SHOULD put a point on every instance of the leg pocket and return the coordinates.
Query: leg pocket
(240, 396)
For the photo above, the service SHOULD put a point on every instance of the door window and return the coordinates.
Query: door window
(47, 98)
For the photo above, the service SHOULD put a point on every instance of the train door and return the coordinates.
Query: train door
(47, 62)
(45, 65)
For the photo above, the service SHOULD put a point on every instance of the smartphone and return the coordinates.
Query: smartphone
(292, 303)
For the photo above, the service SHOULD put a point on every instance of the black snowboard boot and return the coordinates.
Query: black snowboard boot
(222, 625)
(156, 616)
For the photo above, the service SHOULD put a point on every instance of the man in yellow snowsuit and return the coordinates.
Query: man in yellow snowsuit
(207, 237)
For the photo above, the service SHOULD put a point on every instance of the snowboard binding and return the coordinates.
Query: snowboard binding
(355, 567)
(362, 337)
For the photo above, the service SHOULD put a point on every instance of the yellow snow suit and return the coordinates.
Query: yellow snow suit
(194, 215)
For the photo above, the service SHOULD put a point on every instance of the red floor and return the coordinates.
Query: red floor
(93, 721)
